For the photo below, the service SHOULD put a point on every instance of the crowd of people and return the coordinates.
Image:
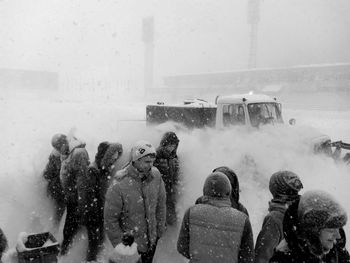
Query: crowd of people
(133, 207)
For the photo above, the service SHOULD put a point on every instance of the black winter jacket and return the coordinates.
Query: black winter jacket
(52, 175)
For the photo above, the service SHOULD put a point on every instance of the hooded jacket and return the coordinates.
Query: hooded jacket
(52, 176)
(234, 197)
(97, 180)
(302, 225)
(73, 171)
(167, 162)
(284, 187)
(135, 204)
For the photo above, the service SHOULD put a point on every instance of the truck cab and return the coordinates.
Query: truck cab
(247, 109)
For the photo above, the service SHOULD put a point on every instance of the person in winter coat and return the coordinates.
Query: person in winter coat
(136, 202)
(52, 175)
(93, 190)
(73, 173)
(291, 225)
(284, 187)
(214, 231)
(3, 244)
(168, 164)
(315, 233)
(234, 197)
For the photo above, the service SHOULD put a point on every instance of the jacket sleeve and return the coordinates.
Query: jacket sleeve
(112, 212)
(80, 162)
(174, 170)
(183, 242)
(161, 209)
(246, 250)
(52, 167)
(268, 239)
(87, 192)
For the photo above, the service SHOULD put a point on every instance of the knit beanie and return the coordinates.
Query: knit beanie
(318, 210)
(58, 140)
(217, 185)
(284, 184)
(142, 149)
(231, 175)
(169, 138)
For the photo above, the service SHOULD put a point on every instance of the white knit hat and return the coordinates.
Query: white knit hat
(141, 149)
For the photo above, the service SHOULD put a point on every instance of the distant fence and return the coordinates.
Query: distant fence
(300, 78)
(103, 88)
(28, 79)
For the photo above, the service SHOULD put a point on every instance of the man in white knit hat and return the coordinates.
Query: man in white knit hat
(136, 202)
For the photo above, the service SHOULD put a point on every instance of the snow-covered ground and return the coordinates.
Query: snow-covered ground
(28, 123)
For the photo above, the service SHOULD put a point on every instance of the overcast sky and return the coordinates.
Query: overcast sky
(190, 35)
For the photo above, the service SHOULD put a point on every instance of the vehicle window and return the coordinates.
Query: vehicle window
(264, 113)
(233, 114)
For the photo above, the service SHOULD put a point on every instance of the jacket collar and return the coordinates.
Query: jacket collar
(136, 175)
(275, 206)
(219, 202)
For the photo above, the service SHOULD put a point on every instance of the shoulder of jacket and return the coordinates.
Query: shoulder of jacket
(241, 214)
(55, 154)
(121, 174)
(275, 217)
(80, 152)
(156, 172)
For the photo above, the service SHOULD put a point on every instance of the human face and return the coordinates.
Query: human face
(64, 148)
(170, 148)
(112, 160)
(144, 164)
(328, 237)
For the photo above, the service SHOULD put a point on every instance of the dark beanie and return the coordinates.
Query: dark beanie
(169, 138)
(231, 175)
(58, 140)
(284, 183)
(217, 185)
(318, 210)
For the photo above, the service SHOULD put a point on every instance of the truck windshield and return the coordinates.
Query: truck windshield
(264, 113)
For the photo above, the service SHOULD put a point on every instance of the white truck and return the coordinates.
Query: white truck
(242, 109)
(251, 110)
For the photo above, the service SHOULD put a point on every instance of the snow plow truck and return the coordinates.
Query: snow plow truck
(245, 109)
(251, 110)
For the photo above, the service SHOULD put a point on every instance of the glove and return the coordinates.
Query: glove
(128, 239)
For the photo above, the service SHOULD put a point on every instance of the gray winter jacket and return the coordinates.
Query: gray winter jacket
(271, 233)
(135, 205)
